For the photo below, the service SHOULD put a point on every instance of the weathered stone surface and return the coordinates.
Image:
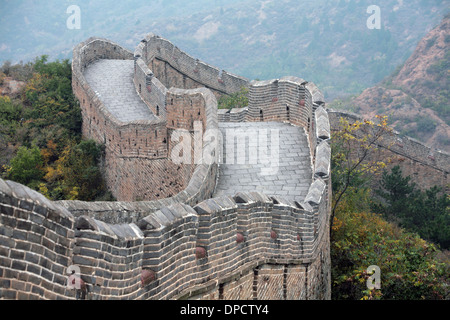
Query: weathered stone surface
(112, 81)
(316, 192)
(252, 235)
(323, 130)
(323, 160)
(282, 169)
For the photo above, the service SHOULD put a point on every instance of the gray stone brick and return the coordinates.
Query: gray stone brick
(6, 210)
(112, 80)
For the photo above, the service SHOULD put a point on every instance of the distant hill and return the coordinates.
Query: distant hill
(324, 41)
(417, 96)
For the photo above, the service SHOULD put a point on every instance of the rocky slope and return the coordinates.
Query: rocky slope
(416, 97)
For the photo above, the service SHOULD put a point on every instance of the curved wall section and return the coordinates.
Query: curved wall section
(426, 166)
(178, 252)
(175, 68)
(188, 245)
(37, 240)
(137, 160)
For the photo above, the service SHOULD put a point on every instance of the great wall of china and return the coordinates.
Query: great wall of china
(216, 228)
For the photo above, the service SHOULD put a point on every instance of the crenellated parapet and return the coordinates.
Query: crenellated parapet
(183, 243)
(175, 68)
(426, 166)
(139, 149)
(175, 252)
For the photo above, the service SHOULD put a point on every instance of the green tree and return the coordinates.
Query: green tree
(43, 127)
(77, 173)
(49, 95)
(352, 161)
(11, 114)
(235, 100)
(397, 193)
(410, 269)
(26, 166)
(424, 212)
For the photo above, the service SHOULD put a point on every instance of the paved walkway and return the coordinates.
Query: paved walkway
(112, 80)
(279, 167)
(269, 157)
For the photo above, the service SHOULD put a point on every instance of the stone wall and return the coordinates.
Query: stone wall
(426, 166)
(37, 240)
(288, 99)
(137, 164)
(175, 68)
(177, 252)
(187, 245)
(249, 246)
(285, 99)
(151, 90)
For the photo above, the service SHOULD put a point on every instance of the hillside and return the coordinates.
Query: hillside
(324, 41)
(417, 96)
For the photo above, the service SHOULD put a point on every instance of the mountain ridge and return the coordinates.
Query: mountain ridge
(325, 41)
(416, 96)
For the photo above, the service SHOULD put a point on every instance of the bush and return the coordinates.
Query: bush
(368, 231)
(45, 125)
(408, 265)
(424, 212)
(236, 100)
(26, 166)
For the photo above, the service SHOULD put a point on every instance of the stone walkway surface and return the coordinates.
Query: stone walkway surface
(112, 80)
(269, 157)
(276, 160)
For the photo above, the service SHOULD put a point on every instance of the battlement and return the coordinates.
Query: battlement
(182, 249)
(426, 166)
(139, 148)
(175, 68)
(179, 241)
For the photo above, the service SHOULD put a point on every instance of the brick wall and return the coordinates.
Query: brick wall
(249, 246)
(426, 166)
(175, 68)
(186, 246)
(149, 87)
(36, 245)
(137, 157)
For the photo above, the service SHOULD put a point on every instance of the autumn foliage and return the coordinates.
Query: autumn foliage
(40, 137)
(361, 235)
(408, 264)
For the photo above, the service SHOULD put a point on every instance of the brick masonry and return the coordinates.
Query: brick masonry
(187, 243)
(134, 131)
(175, 68)
(41, 239)
(426, 166)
